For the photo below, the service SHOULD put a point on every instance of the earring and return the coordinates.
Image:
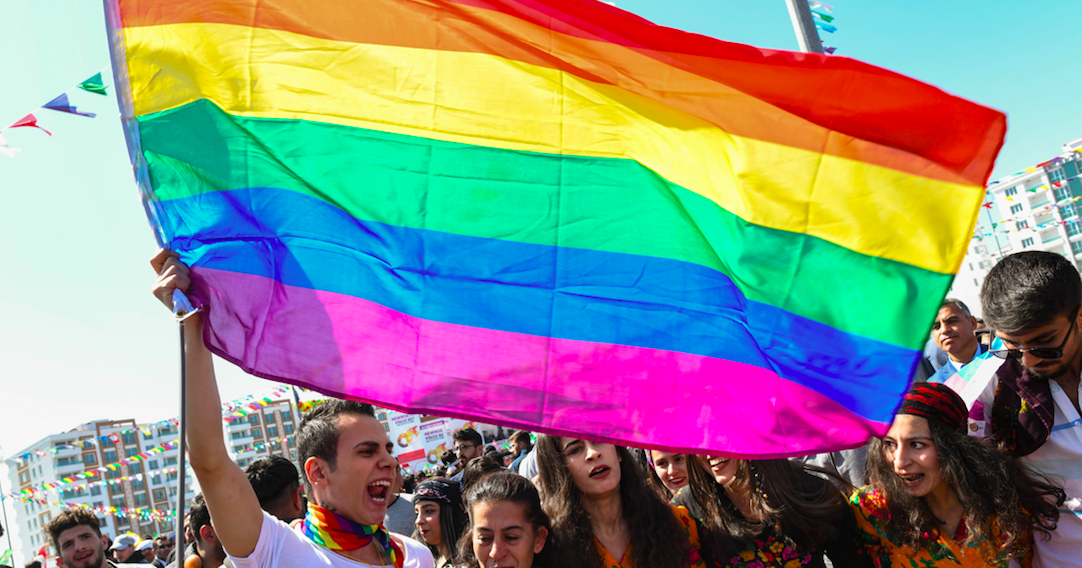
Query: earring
(758, 482)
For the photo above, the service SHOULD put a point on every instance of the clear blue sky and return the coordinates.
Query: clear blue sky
(82, 338)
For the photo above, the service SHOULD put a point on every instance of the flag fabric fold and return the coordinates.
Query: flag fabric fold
(552, 215)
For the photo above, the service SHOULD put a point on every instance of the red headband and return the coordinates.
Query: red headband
(938, 403)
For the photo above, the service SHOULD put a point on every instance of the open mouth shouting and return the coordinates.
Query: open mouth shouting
(912, 481)
(379, 491)
(600, 472)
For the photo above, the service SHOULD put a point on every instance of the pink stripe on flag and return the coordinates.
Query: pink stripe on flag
(352, 348)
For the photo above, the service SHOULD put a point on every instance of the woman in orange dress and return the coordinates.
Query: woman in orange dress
(942, 498)
(605, 514)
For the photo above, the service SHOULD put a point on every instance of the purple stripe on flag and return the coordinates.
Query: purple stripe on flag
(340, 344)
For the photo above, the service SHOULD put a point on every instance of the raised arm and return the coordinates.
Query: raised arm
(234, 508)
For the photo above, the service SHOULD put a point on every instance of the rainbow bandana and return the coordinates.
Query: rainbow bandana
(331, 530)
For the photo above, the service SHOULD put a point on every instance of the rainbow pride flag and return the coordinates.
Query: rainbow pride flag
(552, 214)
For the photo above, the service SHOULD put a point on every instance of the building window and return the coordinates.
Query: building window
(119, 502)
(1027, 242)
(132, 451)
(152, 464)
(1076, 247)
(1011, 191)
(1057, 175)
(272, 431)
(95, 490)
(170, 431)
(257, 433)
(66, 461)
(112, 473)
(159, 495)
(104, 522)
(287, 416)
(140, 499)
(170, 461)
(90, 459)
(239, 435)
(109, 456)
(1021, 225)
(288, 429)
(129, 438)
(253, 419)
(138, 484)
(1016, 208)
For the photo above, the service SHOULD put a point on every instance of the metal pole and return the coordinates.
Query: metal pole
(804, 26)
(181, 448)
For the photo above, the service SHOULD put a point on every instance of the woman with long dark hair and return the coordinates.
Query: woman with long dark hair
(604, 514)
(769, 513)
(668, 472)
(441, 518)
(940, 497)
(508, 528)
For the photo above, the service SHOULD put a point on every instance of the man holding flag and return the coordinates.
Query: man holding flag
(348, 471)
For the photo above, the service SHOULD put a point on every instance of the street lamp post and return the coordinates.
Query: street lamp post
(3, 505)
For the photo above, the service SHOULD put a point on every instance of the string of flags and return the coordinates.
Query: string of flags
(145, 429)
(823, 15)
(255, 405)
(61, 103)
(141, 514)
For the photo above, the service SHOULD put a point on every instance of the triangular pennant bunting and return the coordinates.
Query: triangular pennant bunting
(61, 104)
(94, 85)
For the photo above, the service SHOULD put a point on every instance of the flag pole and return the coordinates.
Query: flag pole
(182, 309)
(804, 26)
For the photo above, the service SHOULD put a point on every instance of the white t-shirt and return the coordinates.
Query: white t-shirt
(280, 545)
(1061, 458)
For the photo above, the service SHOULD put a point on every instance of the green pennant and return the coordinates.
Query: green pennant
(5, 557)
(93, 85)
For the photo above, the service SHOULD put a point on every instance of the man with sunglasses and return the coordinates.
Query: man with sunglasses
(468, 445)
(1032, 301)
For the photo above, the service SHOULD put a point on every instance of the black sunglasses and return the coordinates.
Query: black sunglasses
(1041, 352)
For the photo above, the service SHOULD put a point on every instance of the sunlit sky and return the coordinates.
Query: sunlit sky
(83, 339)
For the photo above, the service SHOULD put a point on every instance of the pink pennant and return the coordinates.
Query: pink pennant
(29, 120)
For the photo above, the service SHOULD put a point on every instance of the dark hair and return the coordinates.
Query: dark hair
(519, 436)
(489, 449)
(34, 564)
(1029, 289)
(274, 479)
(199, 516)
(995, 488)
(317, 435)
(69, 519)
(478, 469)
(448, 495)
(507, 486)
(660, 541)
(468, 435)
(804, 510)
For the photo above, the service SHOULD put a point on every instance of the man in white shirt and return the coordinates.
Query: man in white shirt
(346, 460)
(953, 332)
(1032, 301)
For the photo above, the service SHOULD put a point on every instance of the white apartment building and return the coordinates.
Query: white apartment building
(1034, 210)
(86, 448)
(267, 431)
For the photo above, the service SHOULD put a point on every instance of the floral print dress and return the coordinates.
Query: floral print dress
(879, 538)
(695, 559)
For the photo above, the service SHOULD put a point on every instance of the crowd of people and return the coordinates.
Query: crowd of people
(935, 490)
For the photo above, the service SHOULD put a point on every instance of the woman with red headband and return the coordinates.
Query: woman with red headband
(942, 498)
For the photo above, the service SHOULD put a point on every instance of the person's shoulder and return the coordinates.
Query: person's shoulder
(871, 502)
(417, 554)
